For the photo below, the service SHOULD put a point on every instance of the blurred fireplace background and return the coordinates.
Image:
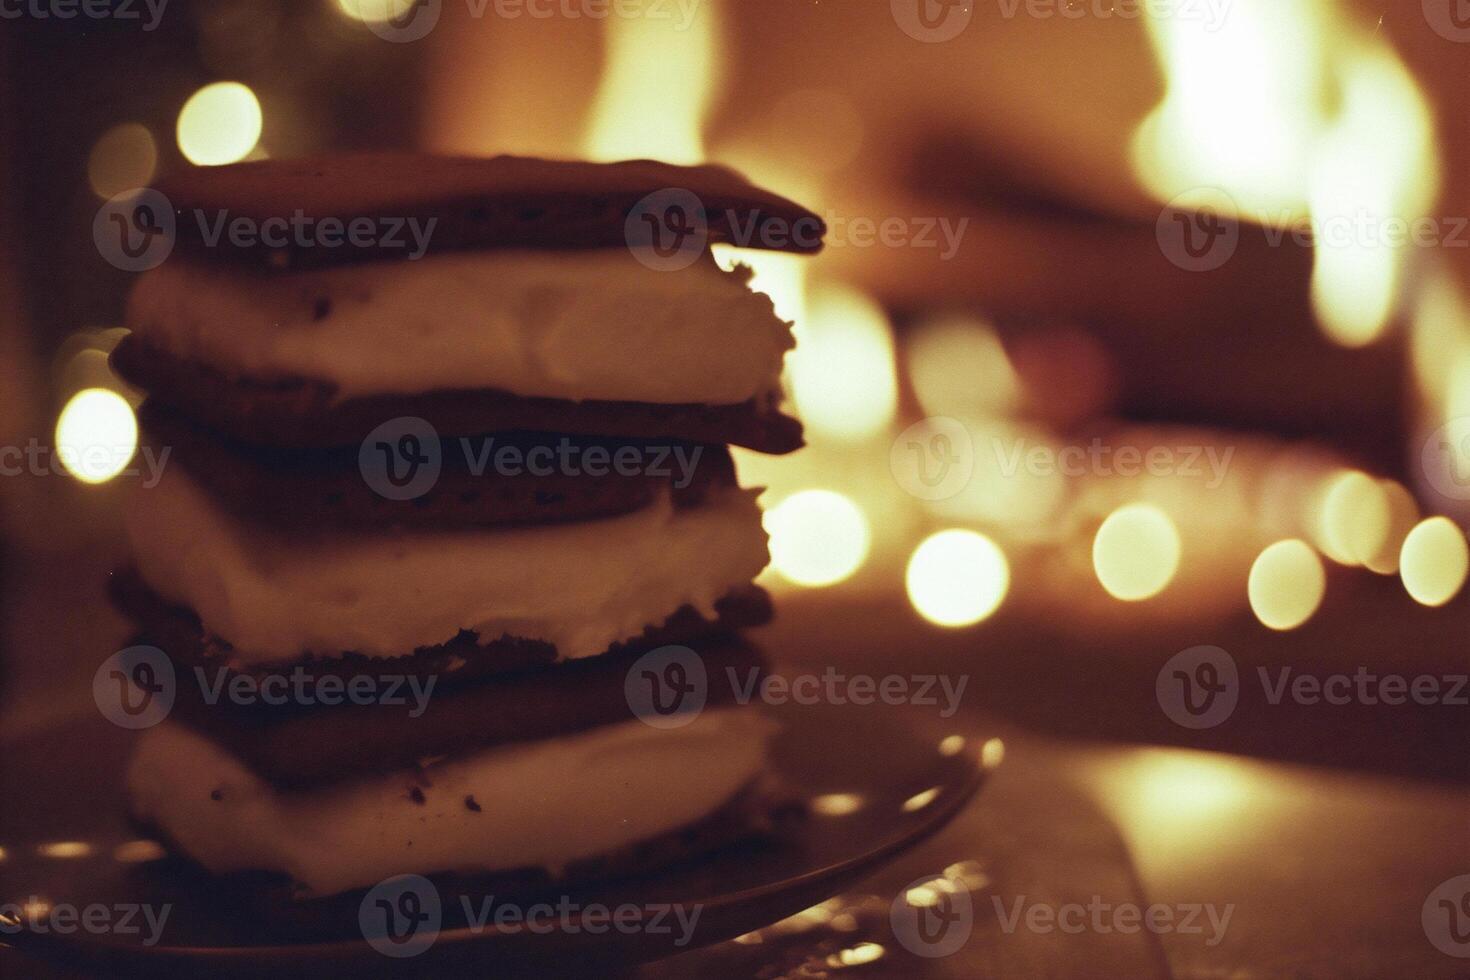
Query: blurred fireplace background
(1056, 143)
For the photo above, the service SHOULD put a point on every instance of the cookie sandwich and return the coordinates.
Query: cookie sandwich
(492, 470)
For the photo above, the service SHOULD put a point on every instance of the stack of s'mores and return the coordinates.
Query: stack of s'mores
(447, 459)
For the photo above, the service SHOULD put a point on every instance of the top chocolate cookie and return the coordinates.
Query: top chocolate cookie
(352, 208)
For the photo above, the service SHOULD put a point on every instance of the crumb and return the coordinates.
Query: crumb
(470, 804)
(417, 795)
(322, 309)
(216, 794)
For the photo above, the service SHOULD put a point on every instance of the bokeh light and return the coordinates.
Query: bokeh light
(958, 367)
(656, 90)
(1287, 584)
(123, 159)
(1136, 552)
(96, 434)
(1434, 561)
(818, 537)
(1403, 514)
(1354, 517)
(842, 371)
(375, 11)
(957, 578)
(221, 123)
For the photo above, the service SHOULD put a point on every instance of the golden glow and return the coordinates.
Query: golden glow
(96, 435)
(992, 753)
(1136, 552)
(137, 852)
(957, 578)
(929, 893)
(837, 804)
(857, 955)
(123, 159)
(842, 371)
(1287, 583)
(780, 275)
(1434, 561)
(968, 874)
(1403, 514)
(1165, 801)
(2, 854)
(1354, 518)
(657, 84)
(959, 368)
(221, 123)
(1293, 110)
(1373, 166)
(1004, 487)
(1240, 96)
(1441, 353)
(818, 537)
(65, 849)
(918, 801)
(952, 745)
(374, 11)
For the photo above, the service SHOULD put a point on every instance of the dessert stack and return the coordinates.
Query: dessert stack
(435, 495)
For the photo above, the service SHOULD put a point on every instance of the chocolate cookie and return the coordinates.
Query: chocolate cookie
(305, 413)
(398, 725)
(334, 488)
(465, 203)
